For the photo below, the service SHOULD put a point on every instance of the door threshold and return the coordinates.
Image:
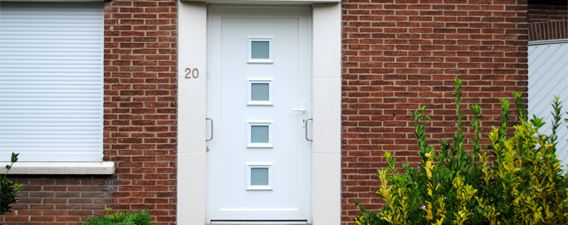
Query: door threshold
(258, 223)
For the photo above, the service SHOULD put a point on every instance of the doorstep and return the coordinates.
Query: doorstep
(258, 223)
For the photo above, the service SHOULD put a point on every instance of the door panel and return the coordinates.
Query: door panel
(258, 164)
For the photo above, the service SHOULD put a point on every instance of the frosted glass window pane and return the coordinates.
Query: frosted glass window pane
(259, 133)
(259, 92)
(260, 50)
(259, 176)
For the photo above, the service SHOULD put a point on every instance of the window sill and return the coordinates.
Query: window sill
(60, 168)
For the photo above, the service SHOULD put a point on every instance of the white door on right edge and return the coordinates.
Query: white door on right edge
(548, 69)
(259, 97)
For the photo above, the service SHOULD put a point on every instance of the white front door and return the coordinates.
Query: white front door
(258, 105)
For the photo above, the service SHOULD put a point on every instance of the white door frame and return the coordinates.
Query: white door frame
(326, 97)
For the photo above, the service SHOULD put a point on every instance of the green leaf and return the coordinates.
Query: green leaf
(14, 157)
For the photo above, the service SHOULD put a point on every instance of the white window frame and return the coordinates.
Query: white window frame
(252, 165)
(268, 81)
(252, 60)
(326, 95)
(250, 144)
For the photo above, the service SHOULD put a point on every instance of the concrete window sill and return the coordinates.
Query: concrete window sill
(60, 168)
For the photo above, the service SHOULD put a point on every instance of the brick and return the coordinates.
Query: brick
(447, 39)
(397, 55)
(133, 32)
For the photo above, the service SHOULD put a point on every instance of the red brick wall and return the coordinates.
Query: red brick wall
(140, 105)
(399, 54)
(59, 200)
(548, 20)
(140, 126)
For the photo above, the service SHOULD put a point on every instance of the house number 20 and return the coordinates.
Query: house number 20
(191, 73)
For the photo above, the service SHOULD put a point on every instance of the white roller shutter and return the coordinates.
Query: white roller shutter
(51, 81)
(548, 76)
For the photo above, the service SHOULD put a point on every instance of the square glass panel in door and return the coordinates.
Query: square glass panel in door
(260, 92)
(259, 134)
(259, 176)
(260, 50)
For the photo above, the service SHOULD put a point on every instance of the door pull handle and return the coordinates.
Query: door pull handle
(306, 129)
(211, 121)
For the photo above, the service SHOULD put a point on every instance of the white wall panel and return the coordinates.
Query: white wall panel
(548, 76)
(51, 81)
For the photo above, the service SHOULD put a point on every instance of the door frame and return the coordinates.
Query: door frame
(326, 110)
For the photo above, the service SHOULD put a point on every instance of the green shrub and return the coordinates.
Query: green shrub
(8, 188)
(516, 180)
(121, 218)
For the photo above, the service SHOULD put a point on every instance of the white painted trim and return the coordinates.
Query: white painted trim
(191, 169)
(60, 168)
(326, 148)
(326, 98)
(548, 42)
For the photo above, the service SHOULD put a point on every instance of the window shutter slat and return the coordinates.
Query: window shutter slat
(51, 81)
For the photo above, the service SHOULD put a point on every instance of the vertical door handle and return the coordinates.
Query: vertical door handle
(211, 136)
(306, 129)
